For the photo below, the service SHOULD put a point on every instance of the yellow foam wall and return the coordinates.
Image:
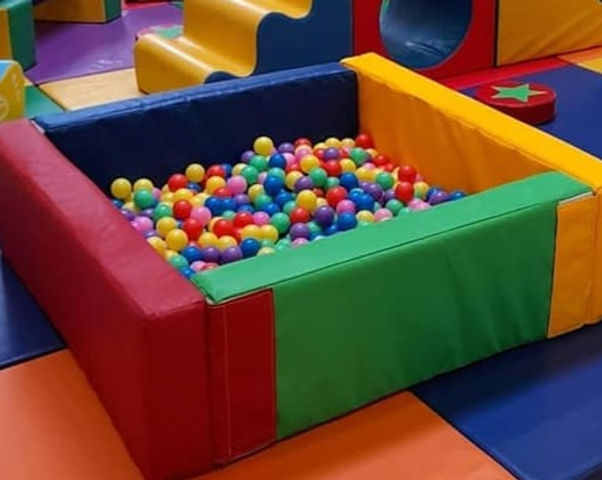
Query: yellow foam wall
(530, 29)
(477, 148)
(12, 91)
(71, 11)
(5, 46)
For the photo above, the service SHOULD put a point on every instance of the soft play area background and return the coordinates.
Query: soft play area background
(532, 413)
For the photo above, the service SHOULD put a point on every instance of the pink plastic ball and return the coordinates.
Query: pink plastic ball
(197, 266)
(156, 193)
(345, 206)
(419, 178)
(261, 178)
(297, 242)
(422, 206)
(261, 218)
(382, 214)
(236, 184)
(290, 158)
(302, 152)
(142, 225)
(414, 203)
(201, 215)
(369, 166)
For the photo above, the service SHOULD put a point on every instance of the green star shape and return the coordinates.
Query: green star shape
(521, 93)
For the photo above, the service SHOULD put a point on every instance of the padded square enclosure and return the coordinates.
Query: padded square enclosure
(195, 374)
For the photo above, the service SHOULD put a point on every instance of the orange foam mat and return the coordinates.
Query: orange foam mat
(399, 438)
(54, 427)
(582, 55)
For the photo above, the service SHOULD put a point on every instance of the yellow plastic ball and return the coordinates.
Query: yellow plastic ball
(250, 231)
(121, 188)
(195, 172)
(255, 190)
(320, 146)
(169, 254)
(269, 232)
(182, 194)
(166, 225)
(131, 206)
(348, 165)
(291, 178)
(333, 142)
(199, 200)
(372, 152)
(167, 197)
(363, 174)
(321, 202)
(213, 183)
(263, 146)
(212, 223)
(420, 189)
(365, 216)
(226, 242)
(208, 239)
(307, 199)
(266, 251)
(348, 143)
(143, 184)
(309, 162)
(238, 168)
(176, 239)
(165, 189)
(158, 245)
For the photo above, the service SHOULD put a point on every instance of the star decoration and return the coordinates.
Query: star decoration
(521, 93)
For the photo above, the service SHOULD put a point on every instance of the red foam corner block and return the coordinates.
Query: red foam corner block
(532, 103)
(241, 339)
(135, 325)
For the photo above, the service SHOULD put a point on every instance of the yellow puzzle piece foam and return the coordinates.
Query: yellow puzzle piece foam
(12, 91)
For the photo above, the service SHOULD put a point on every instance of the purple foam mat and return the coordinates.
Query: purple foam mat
(67, 50)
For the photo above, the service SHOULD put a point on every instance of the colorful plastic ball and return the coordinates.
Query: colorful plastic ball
(262, 200)
(183, 194)
(165, 225)
(375, 191)
(383, 214)
(430, 192)
(347, 165)
(267, 243)
(215, 205)
(456, 195)
(273, 185)
(395, 206)
(207, 239)
(346, 221)
(142, 225)
(349, 180)
(283, 197)
(118, 203)
(298, 242)
(319, 177)
(178, 261)
(359, 156)
(331, 153)
(422, 206)
(225, 242)
(250, 174)
(254, 191)
(414, 203)
(223, 227)
(304, 183)
(300, 230)
(121, 188)
(144, 199)
(216, 171)
(250, 231)
(176, 239)
(182, 209)
(307, 199)
(201, 215)
(309, 162)
(265, 251)
(128, 214)
(314, 229)
(421, 189)
(345, 206)
(192, 253)
(269, 232)
(194, 187)
(292, 178)
(404, 192)
(336, 195)
(324, 216)
(143, 184)
(364, 140)
(249, 247)
(263, 145)
(261, 218)
(197, 266)
(365, 216)
(177, 181)
(211, 254)
(331, 230)
(158, 245)
(439, 197)
(193, 228)
(406, 173)
(210, 266)
(385, 180)
(195, 172)
(300, 215)
(213, 183)
(277, 172)
(231, 254)
(281, 222)
(236, 185)
(289, 206)
(246, 156)
(286, 147)
(242, 219)
(259, 162)
(362, 224)
(277, 160)
(366, 202)
(333, 168)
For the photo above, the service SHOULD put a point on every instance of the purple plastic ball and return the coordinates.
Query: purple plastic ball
(331, 154)
(128, 214)
(242, 199)
(389, 195)
(300, 230)
(231, 254)
(304, 183)
(439, 197)
(148, 213)
(375, 191)
(151, 233)
(210, 255)
(286, 148)
(324, 216)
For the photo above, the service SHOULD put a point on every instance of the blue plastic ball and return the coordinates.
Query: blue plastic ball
(330, 230)
(117, 203)
(456, 195)
(228, 204)
(270, 209)
(192, 254)
(349, 181)
(246, 208)
(430, 192)
(283, 197)
(277, 161)
(227, 168)
(195, 187)
(250, 247)
(346, 221)
(366, 202)
(215, 205)
(273, 185)
(187, 272)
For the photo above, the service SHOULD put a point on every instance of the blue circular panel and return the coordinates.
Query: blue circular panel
(424, 33)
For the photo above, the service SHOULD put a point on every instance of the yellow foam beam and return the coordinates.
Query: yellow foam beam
(12, 91)
(5, 45)
(71, 11)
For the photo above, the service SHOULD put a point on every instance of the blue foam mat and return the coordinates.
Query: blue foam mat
(25, 332)
(537, 409)
(579, 105)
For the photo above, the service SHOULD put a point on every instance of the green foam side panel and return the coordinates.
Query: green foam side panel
(21, 30)
(38, 103)
(112, 9)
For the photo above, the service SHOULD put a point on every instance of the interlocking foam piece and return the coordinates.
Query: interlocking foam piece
(17, 40)
(397, 438)
(91, 90)
(12, 91)
(25, 332)
(541, 28)
(38, 103)
(135, 325)
(89, 11)
(58, 427)
(107, 47)
(537, 410)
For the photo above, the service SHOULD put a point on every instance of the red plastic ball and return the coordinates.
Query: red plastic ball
(336, 195)
(363, 140)
(388, 167)
(407, 173)
(223, 227)
(209, 266)
(193, 228)
(242, 219)
(222, 192)
(215, 171)
(333, 168)
(293, 167)
(177, 181)
(381, 160)
(182, 209)
(404, 192)
(302, 141)
(299, 215)
(319, 153)
(319, 192)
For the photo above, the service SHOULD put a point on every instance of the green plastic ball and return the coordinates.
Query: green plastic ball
(162, 210)
(178, 261)
(314, 228)
(359, 156)
(283, 244)
(267, 243)
(259, 162)
(277, 172)
(319, 177)
(364, 224)
(144, 199)
(288, 207)
(332, 182)
(395, 206)
(385, 180)
(281, 222)
(262, 200)
(228, 214)
(250, 174)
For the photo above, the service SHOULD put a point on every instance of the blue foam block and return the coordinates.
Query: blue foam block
(25, 332)
(536, 409)
(160, 134)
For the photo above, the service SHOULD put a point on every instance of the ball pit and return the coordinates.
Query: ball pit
(272, 200)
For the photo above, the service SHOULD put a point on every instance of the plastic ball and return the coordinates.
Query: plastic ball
(143, 184)
(300, 230)
(286, 147)
(250, 174)
(254, 191)
(395, 206)
(364, 140)
(277, 160)
(283, 197)
(265, 251)
(298, 242)
(144, 199)
(178, 261)
(345, 206)
(216, 171)
(213, 183)
(336, 195)
(292, 178)
(319, 177)
(162, 210)
(314, 229)
(456, 195)
(385, 180)
(182, 209)
(117, 203)
(242, 219)
(128, 214)
(375, 191)
(263, 145)
(347, 165)
(430, 192)
(300, 215)
(281, 222)
(142, 225)
(236, 184)
(210, 255)
(207, 239)
(261, 218)
(421, 189)
(359, 156)
(268, 232)
(309, 162)
(223, 227)
(262, 200)
(165, 225)
(383, 214)
(246, 156)
(226, 242)
(259, 162)
(228, 214)
(404, 191)
(346, 221)
(193, 228)
(177, 181)
(192, 253)
(439, 197)
(250, 231)
(249, 247)
(183, 194)
(349, 180)
(121, 188)
(422, 206)
(231, 254)
(307, 200)
(331, 230)
(406, 173)
(176, 239)
(365, 216)
(197, 266)
(333, 168)
(324, 216)
(158, 245)
(195, 172)
(273, 185)
(201, 215)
